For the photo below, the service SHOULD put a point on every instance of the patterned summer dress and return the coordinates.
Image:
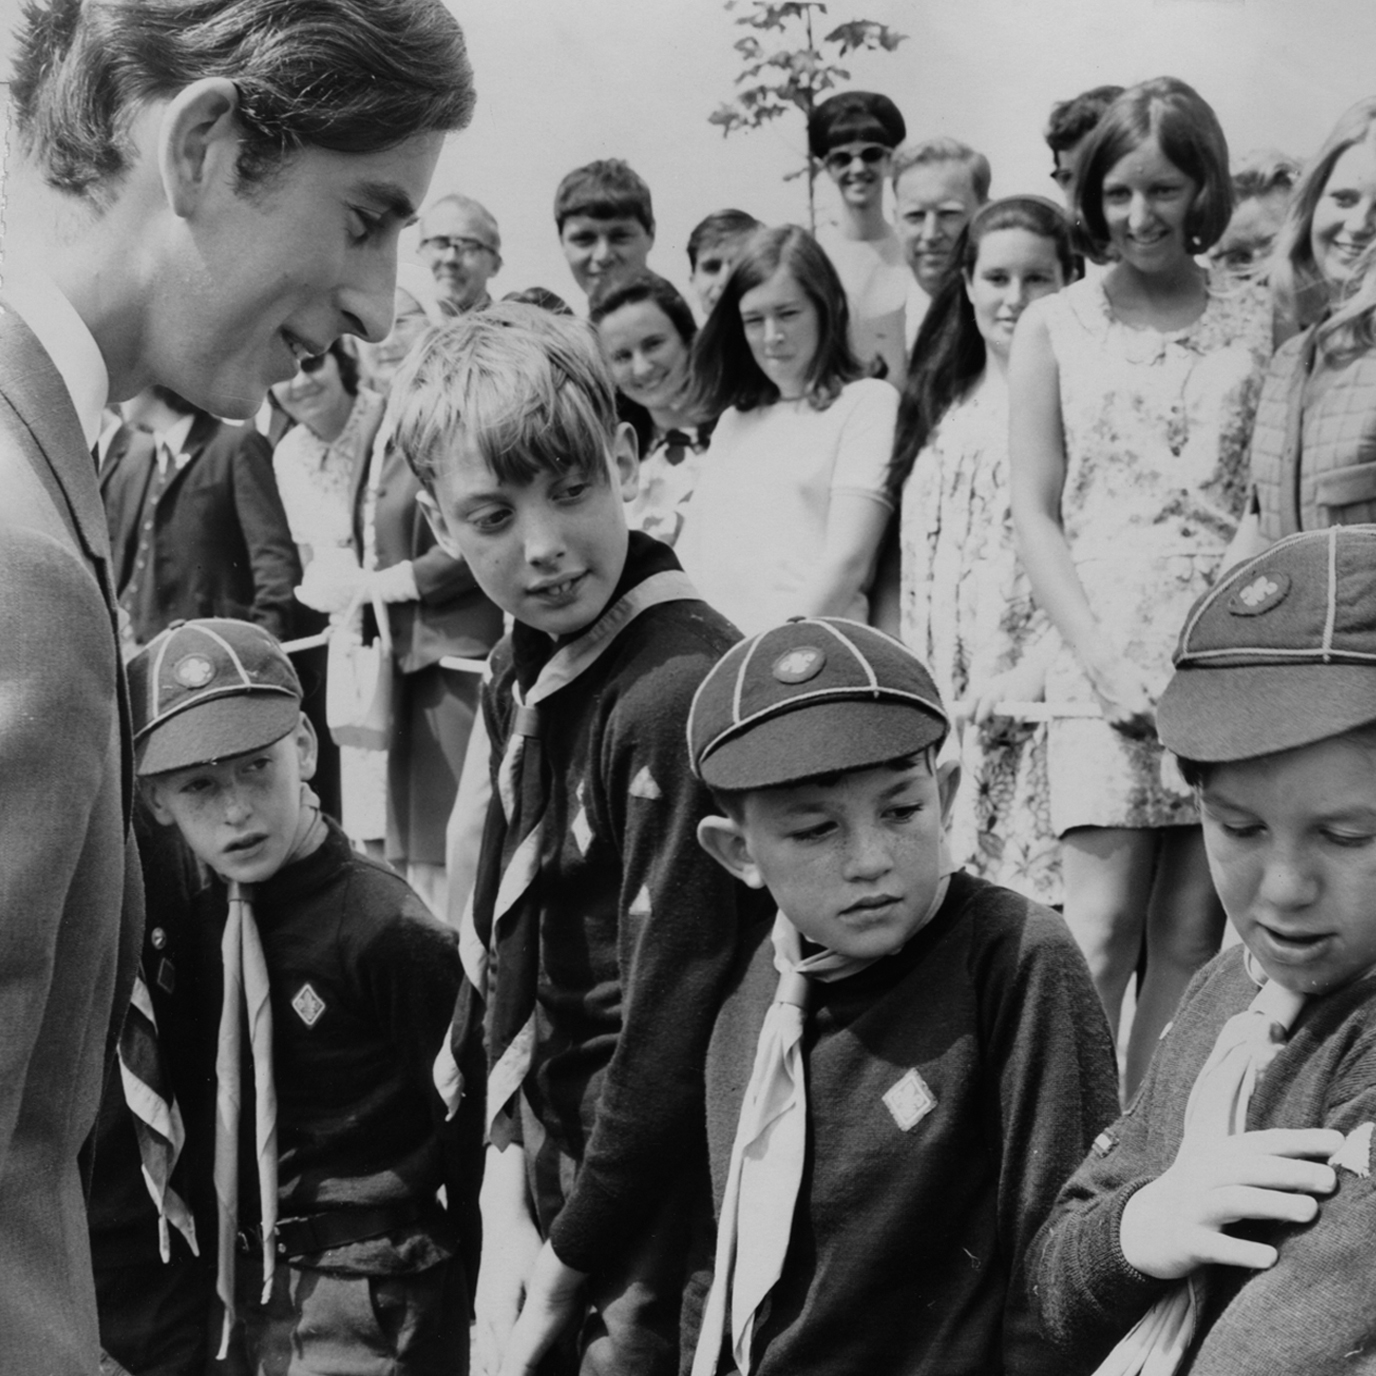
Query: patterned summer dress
(1156, 433)
(668, 475)
(967, 611)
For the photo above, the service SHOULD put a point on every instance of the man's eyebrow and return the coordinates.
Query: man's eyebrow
(391, 198)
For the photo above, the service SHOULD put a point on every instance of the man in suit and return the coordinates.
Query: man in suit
(198, 195)
(196, 523)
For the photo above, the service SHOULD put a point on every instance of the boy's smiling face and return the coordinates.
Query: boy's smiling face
(853, 861)
(1292, 847)
(240, 815)
(550, 551)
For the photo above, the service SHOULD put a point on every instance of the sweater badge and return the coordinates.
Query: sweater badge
(1355, 1152)
(909, 1101)
(308, 1005)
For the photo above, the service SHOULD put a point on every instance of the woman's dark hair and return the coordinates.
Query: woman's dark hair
(1188, 134)
(949, 354)
(351, 76)
(724, 370)
(614, 292)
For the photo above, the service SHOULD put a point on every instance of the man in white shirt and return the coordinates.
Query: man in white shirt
(460, 241)
(197, 195)
(937, 187)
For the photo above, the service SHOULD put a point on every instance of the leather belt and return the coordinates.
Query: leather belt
(311, 1233)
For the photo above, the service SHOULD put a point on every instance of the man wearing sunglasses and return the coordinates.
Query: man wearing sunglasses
(853, 136)
(460, 241)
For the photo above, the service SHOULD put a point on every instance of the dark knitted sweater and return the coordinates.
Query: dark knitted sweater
(363, 984)
(1315, 1311)
(906, 1247)
(637, 923)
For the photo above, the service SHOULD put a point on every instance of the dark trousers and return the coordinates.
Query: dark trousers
(320, 1323)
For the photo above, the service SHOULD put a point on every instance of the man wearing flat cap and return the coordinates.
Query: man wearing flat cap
(853, 136)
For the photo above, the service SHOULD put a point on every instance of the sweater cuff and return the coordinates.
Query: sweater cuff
(1117, 1284)
(590, 1228)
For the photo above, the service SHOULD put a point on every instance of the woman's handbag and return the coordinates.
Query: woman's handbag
(358, 679)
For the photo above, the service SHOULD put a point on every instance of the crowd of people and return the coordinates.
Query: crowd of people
(622, 844)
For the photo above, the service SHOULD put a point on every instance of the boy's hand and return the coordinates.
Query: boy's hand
(1175, 1224)
(511, 1244)
(551, 1302)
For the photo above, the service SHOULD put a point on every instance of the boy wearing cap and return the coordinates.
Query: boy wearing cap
(348, 984)
(1224, 1223)
(908, 1064)
(853, 136)
(600, 934)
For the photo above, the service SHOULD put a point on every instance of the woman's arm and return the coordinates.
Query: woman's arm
(1037, 466)
(855, 526)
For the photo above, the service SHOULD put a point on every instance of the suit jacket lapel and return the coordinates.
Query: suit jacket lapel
(35, 389)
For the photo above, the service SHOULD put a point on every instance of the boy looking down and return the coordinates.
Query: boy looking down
(1224, 1223)
(599, 934)
(348, 984)
(907, 1065)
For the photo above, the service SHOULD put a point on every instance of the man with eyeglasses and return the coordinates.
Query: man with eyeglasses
(460, 241)
(853, 136)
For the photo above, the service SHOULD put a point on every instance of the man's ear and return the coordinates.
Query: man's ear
(154, 796)
(947, 786)
(198, 142)
(725, 842)
(439, 524)
(307, 747)
(626, 461)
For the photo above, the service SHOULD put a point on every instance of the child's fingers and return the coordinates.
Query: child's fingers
(1220, 1249)
(1291, 1141)
(1235, 1202)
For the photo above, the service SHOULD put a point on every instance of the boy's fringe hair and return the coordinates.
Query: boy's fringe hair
(604, 190)
(527, 387)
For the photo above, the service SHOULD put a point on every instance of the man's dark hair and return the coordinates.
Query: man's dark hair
(719, 227)
(1072, 119)
(351, 76)
(604, 190)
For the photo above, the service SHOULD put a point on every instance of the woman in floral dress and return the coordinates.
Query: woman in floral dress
(965, 604)
(1132, 395)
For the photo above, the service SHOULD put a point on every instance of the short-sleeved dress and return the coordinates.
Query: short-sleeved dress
(967, 612)
(1156, 433)
(756, 526)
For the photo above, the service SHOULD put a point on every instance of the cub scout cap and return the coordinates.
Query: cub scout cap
(206, 690)
(815, 696)
(1280, 653)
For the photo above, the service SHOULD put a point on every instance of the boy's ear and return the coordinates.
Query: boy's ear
(307, 747)
(725, 842)
(198, 141)
(625, 461)
(153, 795)
(439, 524)
(947, 786)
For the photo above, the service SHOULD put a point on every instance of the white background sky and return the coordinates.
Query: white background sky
(561, 82)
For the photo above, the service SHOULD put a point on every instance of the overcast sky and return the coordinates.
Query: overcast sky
(561, 82)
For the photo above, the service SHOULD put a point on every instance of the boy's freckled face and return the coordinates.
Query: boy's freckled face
(597, 248)
(1292, 846)
(239, 815)
(551, 551)
(853, 862)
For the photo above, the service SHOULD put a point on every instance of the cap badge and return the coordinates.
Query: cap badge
(1265, 591)
(797, 666)
(193, 671)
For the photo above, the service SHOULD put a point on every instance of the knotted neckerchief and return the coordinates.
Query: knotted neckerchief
(157, 1119)
(766, 1169)
(507, 934)
(246, 987)
(1217, 1107)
